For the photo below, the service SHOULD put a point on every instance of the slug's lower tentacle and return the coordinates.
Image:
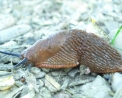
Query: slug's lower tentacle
(21, 62)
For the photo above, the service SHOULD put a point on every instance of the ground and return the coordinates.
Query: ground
(22, 22)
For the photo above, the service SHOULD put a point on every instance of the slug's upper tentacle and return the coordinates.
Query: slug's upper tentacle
(21, 62)
(12, 54)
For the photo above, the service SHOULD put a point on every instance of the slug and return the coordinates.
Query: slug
(69, 49)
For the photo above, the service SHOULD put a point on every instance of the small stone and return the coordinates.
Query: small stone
(80, 82)
(40, 75)
(97, 88)
(63, 95)
(14, 91)
(116, 81)
(29, 38)
(19, 74)
(94, 74)
(111, 25)
(76, 16)
(66, 70)
(30, 41)
(118, 39)
(41, 83)
(39, 33)
(84, 16)
(73, 72)
(5, 67)
(31, 79)
(23, 21)
(107, 76)
(84, 70)
(28, 91)
(6, 21)
(65, 84)
(51, 84)
(116, 1)
(107, 8)
(118, 93)
(6, 80)
(78, 96)
(45, 69)
(9, 44)
(18, 83)
(12, 32)
(38, 96)
(55, 73)
(81, 24)
(45, 93)
(35, 70)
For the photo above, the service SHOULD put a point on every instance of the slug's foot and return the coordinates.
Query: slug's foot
(56, 65)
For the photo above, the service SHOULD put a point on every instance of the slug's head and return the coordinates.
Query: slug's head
(42, 50)
(28, 54)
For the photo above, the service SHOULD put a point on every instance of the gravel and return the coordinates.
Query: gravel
(22, 22)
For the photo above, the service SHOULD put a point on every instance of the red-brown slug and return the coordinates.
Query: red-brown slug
(69, 49)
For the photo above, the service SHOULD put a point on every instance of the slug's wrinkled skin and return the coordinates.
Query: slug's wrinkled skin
(69, 49)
